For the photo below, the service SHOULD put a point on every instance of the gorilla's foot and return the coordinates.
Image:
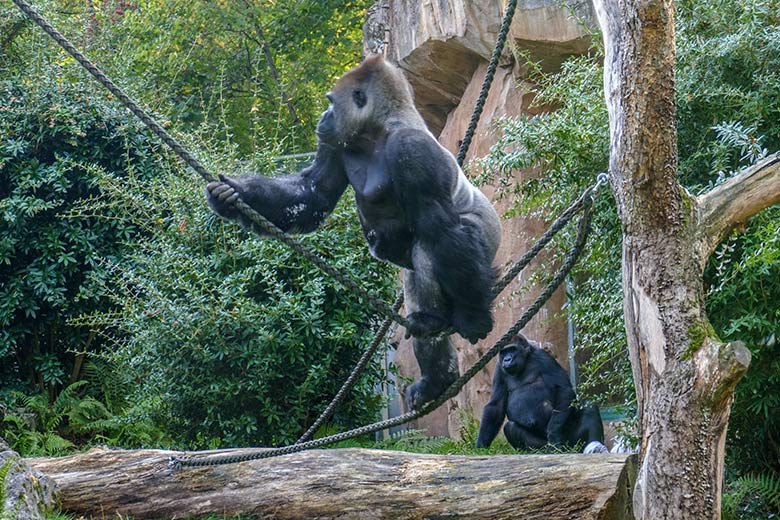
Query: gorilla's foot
(424, 325)
(472, 324)
(425, 390)
(595, 447)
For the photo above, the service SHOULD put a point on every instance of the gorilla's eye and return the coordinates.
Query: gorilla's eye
(359, 97)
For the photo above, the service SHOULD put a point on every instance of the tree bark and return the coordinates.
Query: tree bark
(684, 375)
(346, 483)
(737, 199)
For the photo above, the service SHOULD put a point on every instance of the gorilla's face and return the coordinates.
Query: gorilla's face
(513, 357)
(347, 115)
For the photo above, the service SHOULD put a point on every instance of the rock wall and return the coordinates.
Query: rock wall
(444, 47)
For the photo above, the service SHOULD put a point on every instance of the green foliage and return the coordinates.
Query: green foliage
(571, 144)
(261, 337)
(728, 99)
(262, 67)
(228, 339)
(50, 130)
(35, 427)
(728, 106)
(728, 61)
(752, 497)
(416, 441)
(742, 302)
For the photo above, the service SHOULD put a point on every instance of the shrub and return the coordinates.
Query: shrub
(229, 339)
(51, 130)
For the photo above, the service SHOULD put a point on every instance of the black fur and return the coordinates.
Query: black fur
(416, 207)
(533, 392)
(296, 203)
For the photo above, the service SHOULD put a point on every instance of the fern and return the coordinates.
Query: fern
(752, 494)
(3, 486)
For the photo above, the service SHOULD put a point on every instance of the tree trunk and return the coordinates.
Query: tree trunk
(346, 483)
(684, 375)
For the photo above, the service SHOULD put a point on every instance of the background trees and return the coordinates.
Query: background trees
(243, 81)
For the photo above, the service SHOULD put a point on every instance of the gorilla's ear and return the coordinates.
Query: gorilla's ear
(359, 97)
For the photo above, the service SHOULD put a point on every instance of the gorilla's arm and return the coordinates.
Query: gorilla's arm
(449, 244)
(295, 203)
(495, 411)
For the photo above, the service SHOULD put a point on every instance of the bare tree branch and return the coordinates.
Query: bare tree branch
(739, 198)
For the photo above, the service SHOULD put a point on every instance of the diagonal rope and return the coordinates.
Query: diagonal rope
(559, 223)
(266, 225)
(478, 107)
(353, 376)
(381, 306)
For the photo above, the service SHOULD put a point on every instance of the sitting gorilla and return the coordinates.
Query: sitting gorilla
(417, 209)
(533, 392)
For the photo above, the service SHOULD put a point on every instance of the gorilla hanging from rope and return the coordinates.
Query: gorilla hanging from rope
(417, 208)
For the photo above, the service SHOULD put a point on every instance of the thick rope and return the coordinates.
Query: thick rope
(451, 391)
(126, 100)
(267, 226)
(381, 306)
(475, 116)
(491, 71)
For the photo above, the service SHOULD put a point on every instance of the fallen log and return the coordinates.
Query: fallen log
(345, 483)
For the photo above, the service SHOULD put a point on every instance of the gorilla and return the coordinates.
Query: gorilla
(533, 392)
(416, 207)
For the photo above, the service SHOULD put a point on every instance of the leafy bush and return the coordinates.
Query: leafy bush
(571, 143)
(50, 130)
(728, 106)
(229, 339)
(752, 497)
(33, 426)
(262, 338)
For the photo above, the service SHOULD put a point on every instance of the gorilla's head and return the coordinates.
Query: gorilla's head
(363, 100)
(513, 357)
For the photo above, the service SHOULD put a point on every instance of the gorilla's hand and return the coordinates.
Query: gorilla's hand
(426, 390)
(221, 195)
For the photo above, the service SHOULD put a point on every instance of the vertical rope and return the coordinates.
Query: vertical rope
(491, 71)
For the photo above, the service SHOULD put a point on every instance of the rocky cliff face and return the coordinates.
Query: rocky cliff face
(444, 46)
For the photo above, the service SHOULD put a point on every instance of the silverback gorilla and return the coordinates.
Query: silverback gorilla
(417, 209)
(533, 392)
